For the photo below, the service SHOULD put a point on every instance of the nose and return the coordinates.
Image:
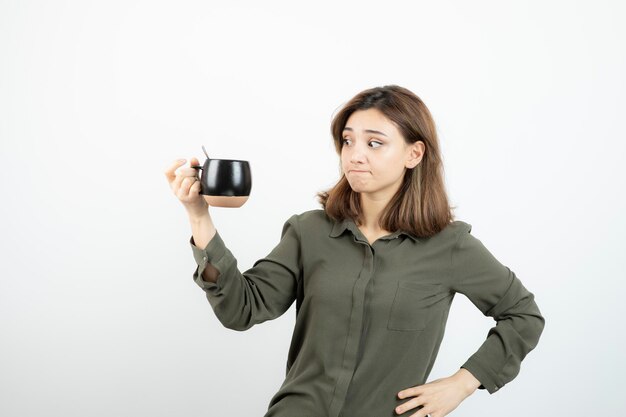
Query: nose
(357, 156)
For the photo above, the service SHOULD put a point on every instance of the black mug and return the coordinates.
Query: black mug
(225, 182)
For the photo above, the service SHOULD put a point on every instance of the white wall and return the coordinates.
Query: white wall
(99, 315)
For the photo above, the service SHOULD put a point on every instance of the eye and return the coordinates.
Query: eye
(343, 142)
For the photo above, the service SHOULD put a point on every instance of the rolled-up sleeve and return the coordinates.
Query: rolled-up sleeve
(497, 292)
(264, 292)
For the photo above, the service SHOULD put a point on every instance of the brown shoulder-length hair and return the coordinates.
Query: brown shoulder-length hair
(420, 205)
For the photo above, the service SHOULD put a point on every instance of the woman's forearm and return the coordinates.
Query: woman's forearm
(203, 231)
(468, 380)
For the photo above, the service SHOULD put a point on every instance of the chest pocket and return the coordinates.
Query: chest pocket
(412, 305)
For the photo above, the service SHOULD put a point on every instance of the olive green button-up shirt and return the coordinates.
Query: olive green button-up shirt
(370, 317)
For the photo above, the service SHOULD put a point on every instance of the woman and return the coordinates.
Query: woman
(373, 274)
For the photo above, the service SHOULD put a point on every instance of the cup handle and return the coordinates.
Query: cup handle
(197, 167)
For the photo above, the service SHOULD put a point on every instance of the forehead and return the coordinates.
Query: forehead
(371, 119)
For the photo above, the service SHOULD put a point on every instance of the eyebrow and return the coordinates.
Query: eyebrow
(367, 131)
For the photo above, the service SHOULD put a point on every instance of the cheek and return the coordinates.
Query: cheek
(344, 161)
(387, 169)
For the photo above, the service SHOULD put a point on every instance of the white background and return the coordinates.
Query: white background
(99, 315)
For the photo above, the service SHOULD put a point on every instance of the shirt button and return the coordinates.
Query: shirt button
(205, 258)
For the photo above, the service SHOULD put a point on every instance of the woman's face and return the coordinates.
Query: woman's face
(374, 154)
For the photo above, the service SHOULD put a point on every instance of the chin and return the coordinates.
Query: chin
(358, 189)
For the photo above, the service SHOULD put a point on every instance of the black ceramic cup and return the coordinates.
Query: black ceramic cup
(225, 182)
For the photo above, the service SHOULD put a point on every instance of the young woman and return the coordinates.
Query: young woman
(373, 274)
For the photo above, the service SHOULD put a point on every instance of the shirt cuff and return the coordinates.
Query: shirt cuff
(214, 253)
(483, 374)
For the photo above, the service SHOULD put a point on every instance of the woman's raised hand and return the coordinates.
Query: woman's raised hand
(185, 185)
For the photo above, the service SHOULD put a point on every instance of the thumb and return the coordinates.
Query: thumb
(194, 161)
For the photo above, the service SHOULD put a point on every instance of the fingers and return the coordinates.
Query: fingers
(177, 182)
(409, 405)
(176, 174)
(186, 185)
(411, 391)
(195, 188)
(187, 172)
(426, 411)
(169, 171)
(184, 181)
(181, 185)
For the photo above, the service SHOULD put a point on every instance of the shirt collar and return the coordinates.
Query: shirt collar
(340, 226)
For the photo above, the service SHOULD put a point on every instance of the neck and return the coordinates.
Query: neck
(372, 208)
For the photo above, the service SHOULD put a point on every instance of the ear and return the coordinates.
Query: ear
(415, 153)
